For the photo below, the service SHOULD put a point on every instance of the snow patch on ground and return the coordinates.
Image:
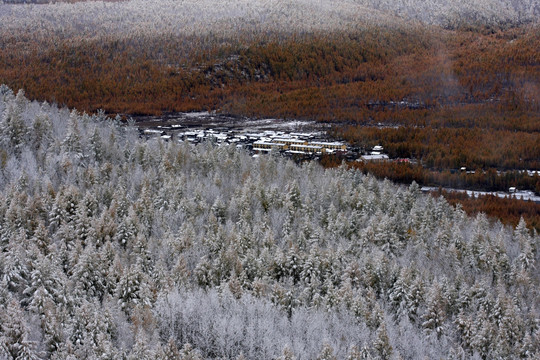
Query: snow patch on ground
(524, 195)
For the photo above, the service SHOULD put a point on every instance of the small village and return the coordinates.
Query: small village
(299, 145)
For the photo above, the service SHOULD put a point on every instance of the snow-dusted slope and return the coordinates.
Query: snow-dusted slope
(457, 12)
(185, 17)
(120, 248)
(138, 17)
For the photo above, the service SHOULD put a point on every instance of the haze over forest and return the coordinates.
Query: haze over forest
(113, 246)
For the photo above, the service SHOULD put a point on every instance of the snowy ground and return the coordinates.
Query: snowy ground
(206, 120)
(525, 195)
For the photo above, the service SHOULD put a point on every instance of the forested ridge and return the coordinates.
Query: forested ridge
(457, 88)
(116, 247)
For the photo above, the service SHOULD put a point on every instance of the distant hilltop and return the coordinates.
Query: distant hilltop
(90, 18)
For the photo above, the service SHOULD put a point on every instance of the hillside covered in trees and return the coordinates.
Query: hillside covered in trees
(449, 83)
(114, 247)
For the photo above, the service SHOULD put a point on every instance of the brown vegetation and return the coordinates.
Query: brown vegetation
(446, 98)
(508, 210)
(479, 179)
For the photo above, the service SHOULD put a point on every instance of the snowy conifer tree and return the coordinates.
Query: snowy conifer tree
(14, 337)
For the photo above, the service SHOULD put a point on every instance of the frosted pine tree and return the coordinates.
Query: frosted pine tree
(96, 145)
(484, 336)
(415, 297)
(310, 268)
(15, 270)
(15, 216)
(89, 275)
(526, 257)
(285, 299)
(126, 231)
(133, 289)
(91, 329)
(168, 351)
(44, 286)
(509, 323)
(189, 353)
(141, 350)
(13, 129)
(83, 225)
(385, 236)
(72, 143)
(327, 353)
(41, 132)
(381, 345)
(398, 296)
(6, 94)
(354, 353)
(465, 327)
(41, 238)
(52, 324)
(14, 337)
(293, 264)
(530, 345)
(144, 209)
(287, 354)
(141, 255)
(435, 316)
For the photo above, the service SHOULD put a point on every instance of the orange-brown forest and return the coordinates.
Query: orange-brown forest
(448, 98)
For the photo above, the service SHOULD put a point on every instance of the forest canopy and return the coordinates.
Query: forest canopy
(448, 96)
(117, 247)
(120, 247)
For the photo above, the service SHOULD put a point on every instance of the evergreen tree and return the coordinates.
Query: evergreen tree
(141, 350)
(14, 339)
(41, 133)
(72, 144)
(6, 93)
(484, 335)
(89, 275)
(44, 286)
(133, 289)
(327, 353)
(381, 345)
(12, 126)
(52, 324)
(189, 353)
(169, 351)
(96, 145)
(15, 271)
(287, 354)
(435, 316)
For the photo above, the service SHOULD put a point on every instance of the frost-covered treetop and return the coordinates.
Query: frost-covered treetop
(142, 17)
(112, 246)
(185, 17)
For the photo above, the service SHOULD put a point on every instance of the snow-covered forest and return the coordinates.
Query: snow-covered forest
(113, 247)
(136, 18)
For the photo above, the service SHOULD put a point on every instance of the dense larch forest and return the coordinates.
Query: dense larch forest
(450, 98)
(113, 246)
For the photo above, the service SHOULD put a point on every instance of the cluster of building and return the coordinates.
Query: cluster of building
(304, 144)
(298, 146)
(260, 142)
(376, 154)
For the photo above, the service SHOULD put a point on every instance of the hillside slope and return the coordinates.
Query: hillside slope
(119, 247)
(449, 96)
